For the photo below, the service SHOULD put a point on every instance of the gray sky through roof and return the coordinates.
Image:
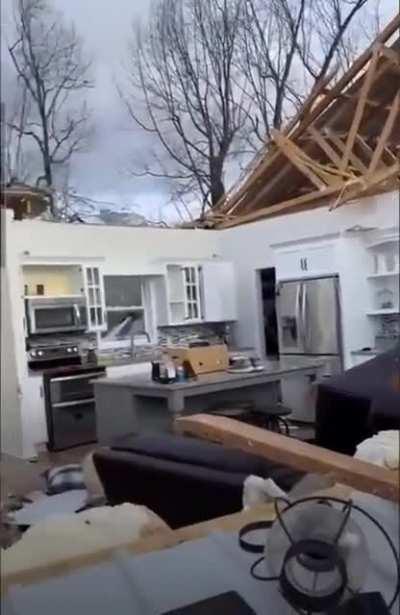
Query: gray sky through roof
(101, 173)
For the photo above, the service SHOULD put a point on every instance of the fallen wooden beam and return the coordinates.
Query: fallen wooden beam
(294, 453)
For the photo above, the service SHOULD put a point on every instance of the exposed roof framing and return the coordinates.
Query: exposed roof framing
(343, 143)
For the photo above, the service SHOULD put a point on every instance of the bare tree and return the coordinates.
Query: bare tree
(16, 167)
(287, 46)
(210, 79)
(48, 59)
(182, 91)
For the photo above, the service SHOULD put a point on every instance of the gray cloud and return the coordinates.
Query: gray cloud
(101, 172)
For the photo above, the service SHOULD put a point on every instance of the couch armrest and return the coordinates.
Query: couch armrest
(181, 494)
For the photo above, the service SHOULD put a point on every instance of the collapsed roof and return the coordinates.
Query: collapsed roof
(344, 143)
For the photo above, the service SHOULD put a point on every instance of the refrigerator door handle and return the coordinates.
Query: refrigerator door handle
(299, 314)
(305, 319)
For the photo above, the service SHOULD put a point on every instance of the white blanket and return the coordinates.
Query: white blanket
(382, 449)
(62, 537)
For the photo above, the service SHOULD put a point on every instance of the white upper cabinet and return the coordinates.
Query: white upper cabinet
(218, 292)
(183, 293)
(196, 292)
(95, 299)
(306, 261)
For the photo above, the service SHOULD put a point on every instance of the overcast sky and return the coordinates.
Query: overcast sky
(105, 26)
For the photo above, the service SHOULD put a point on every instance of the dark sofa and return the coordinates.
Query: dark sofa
(182, 479)
(358, 403)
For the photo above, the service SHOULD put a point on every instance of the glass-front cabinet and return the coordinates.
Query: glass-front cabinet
(95, 299)
(183, 293)
(191, 277)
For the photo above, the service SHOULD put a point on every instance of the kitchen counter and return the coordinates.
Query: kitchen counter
(271, 369)
(135, 403)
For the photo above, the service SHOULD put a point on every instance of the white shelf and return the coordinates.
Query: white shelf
(387, 274)
(388, 311)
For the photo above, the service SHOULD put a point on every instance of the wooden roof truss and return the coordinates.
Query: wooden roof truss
(344, 143)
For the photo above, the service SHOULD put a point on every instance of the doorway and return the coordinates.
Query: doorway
(270, 322)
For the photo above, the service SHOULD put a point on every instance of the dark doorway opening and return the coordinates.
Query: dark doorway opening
(268, 297)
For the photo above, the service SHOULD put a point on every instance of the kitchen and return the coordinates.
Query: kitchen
(89, 264)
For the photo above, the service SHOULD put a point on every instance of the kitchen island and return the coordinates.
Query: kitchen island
(136, 404)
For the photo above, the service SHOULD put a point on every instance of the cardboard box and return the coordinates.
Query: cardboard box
(203, 360)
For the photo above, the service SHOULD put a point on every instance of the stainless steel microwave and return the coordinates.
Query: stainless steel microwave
(56, 314)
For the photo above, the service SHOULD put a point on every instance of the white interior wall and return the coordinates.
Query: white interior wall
(124, 250)
(121, 250)
(11, 422)
(249, 247)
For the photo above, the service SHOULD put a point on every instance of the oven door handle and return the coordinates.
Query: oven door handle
(70, 404)
(77, 314)
(87, 376)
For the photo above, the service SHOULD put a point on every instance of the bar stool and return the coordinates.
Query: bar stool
(239, 410)
(272, 417)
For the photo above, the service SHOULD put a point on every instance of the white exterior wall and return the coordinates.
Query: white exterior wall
(249, 247)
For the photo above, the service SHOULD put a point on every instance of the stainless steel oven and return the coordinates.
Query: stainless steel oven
(70, 405)
(56, 314)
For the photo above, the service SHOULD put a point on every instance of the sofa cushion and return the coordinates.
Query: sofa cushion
(191, 451)
(207, 455)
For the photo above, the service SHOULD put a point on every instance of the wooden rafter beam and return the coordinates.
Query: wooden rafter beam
(369, 103)
(298, 158)
(355, 160)
(324, 145)
(353, 188)
(294, 453)
(358, 114)
(391, 55)
(385, 134)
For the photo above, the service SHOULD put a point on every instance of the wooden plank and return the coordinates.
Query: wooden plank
(324, 145)
(295, 453)
(358, 114)
(282, 207)
(385, 134)
(296, 157)
(392, 55)
(354, 159)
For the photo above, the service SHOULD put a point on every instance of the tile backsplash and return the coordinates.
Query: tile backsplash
(183, 335)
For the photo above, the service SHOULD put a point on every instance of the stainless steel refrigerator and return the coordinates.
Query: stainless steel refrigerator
(309, 319)
(309, 324)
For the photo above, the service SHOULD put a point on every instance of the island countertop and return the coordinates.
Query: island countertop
(272, 368)
(137, 404)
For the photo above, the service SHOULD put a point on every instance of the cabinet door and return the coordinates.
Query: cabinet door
(305, 262)
(191, 282)
(320, 260)
(95, 299)
(218, 292)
